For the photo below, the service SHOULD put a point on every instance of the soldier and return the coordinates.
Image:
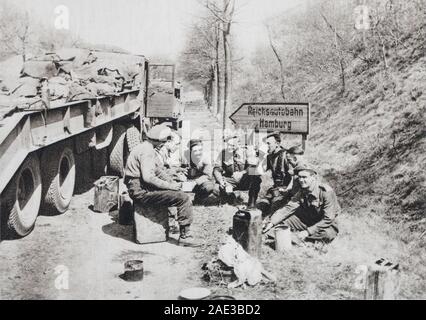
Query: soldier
(169, 155)
(232, 169)
(294, 157)
(312, 211)
(277, 164)
(149, 185)
(200, 170)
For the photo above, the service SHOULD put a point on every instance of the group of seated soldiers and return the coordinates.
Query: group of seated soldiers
(298, 198)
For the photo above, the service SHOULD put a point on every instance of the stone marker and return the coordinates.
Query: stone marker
(382, 281)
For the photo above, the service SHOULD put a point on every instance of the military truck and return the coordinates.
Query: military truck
(84, 103)
(164, 97)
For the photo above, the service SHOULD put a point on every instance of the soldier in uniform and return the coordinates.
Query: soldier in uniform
(232, 169)
(149, 185)
(200, 170)
(312, 212)
(169, 155)
(294, 157)
(277, 164)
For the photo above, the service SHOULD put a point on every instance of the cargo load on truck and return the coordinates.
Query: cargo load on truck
(69, 74)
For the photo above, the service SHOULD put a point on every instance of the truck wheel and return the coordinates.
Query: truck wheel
(58, 166)
(23, 198)
(116, 153)
(133, 138)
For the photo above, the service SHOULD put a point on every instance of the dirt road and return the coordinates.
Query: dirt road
(93, 248)
(90, 249)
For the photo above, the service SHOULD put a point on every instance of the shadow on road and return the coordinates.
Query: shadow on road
(118, 231)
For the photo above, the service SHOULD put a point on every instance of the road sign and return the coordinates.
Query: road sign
(291, 118)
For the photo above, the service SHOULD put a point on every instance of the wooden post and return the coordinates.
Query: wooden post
(304, 139)
(382, 281)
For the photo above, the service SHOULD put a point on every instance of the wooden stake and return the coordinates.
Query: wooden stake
(304, 139)
(382, 281)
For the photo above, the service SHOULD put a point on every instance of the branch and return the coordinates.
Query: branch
(331, 27)
(206, 37)
(214, 12)
(274, 49)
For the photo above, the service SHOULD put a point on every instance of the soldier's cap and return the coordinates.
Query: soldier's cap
(274, 134)
(304, 166)
(297, 150)
(195, 142)
(230, 137)
(159, 133)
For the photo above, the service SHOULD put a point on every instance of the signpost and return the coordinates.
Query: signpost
(287, 118)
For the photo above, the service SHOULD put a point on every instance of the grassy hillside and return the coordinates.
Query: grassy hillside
(370, 144)
(371, 140)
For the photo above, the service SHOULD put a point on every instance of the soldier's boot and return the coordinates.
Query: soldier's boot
(231, 199)
(186, 239)
(252, 200)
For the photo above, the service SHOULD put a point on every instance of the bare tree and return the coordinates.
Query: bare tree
(228, 13)
(16, 31)
(202, 58)
(280, 62)
(224, 14)
(339, 51)
(21, 35)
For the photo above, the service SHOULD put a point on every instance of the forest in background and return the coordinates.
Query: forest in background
(361, 66)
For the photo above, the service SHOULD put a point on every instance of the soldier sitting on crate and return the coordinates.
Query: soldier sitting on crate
(148, 184)
(200, 170)
(277, 163)
(312, 212)
(232, 170)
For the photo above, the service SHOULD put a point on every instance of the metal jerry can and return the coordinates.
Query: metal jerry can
(247, 231)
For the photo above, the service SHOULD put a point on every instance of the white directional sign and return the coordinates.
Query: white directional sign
(290, 118)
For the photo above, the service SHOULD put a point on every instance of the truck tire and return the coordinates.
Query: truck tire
(58, 167)
(116, 151)
(133, 138)
(23, 198)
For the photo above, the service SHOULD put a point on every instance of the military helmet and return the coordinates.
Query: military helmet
(304, 166)
(160, 133)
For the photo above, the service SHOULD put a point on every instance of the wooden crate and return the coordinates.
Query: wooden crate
(151, 224)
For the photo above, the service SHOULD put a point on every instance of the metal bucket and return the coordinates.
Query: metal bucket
(133, 270)
(282, 239)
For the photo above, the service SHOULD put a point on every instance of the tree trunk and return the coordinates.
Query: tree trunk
(219, 109)
(216, 80)
(342, 75)
(227, 81)
(219, 95)
(275, 51)
(228, 6)
(214, 93)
